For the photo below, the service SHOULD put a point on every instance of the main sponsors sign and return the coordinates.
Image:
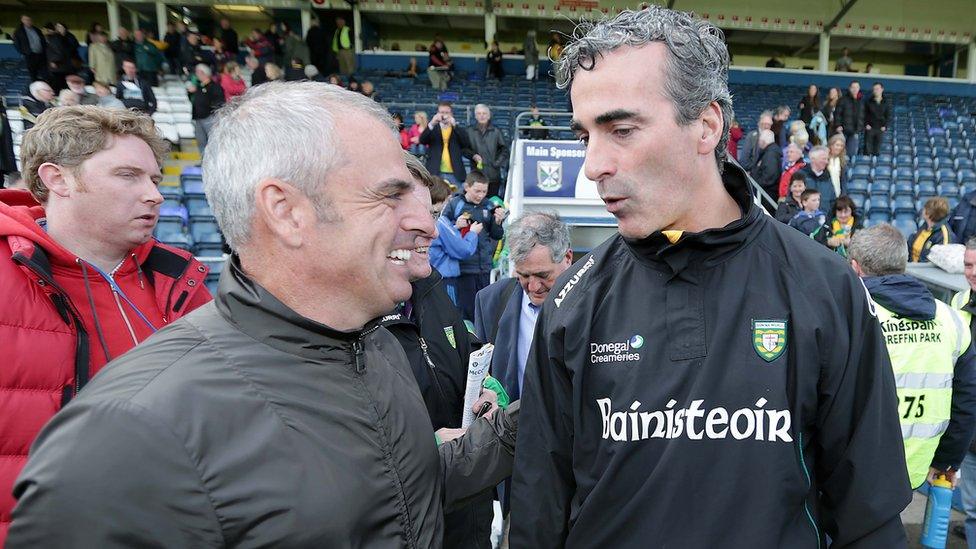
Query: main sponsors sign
(555, 169)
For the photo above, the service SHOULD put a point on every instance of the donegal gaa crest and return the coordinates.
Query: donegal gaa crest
(449, 332)
(769, 338)
(550, 175)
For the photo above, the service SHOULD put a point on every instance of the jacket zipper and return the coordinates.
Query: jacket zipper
(433, 369)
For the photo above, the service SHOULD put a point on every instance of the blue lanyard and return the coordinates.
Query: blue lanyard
(115, 288)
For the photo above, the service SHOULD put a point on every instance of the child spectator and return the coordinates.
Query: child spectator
(843, 225)
(935, 213)
(811, 221)
(451, 245)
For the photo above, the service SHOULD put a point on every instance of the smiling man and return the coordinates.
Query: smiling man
(279, 415)
(81, 278)
(678, 366)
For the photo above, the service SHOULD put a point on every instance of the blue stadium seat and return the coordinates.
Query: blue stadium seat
(201, 212)
(879, 216)
(882, 172)
(905, 225)
(924, 162)
(903, 188)
(904, 204)
(857, 185)
(879, 203)
(858, 198)
(183, 241)
(904, 160)
(173, 211)
(193, 187)
(945, 174)
(861, 170)
(171, 193)
(208, 244)
(881, 186)
(926, 190)
(966, 175)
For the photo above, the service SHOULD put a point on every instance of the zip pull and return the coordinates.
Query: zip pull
(423, 349)
(358, 356)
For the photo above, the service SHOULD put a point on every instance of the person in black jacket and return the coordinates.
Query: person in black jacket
(37, 100)
(769, 166)
(134, 92)
(318, 48)
(445, 145)
(707, 358)
(59, 56)
(809, 105)
(173, 41)
(206, 96)
(229, 37)
(790, 205)
(849, 118)
(8, 163)
(877, 118)
(124, 47)
(193, 54)
(30, 43)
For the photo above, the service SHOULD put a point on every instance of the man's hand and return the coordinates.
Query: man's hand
(476, 227)
(500, 215)
(191, 88)
(462, 222)
(489, 396)
(951, 475)
(447, 434)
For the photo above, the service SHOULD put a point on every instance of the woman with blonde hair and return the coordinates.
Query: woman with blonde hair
(837, 161)
(419, 123)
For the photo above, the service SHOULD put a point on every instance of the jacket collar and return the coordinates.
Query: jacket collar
(711, 246)
(261, 315)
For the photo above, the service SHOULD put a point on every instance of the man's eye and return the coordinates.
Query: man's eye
(623, 132)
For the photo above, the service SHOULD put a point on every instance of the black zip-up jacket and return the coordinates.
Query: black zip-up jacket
(877, 115)
(243, 425)
(437, 345)
(730, 390)
(849, 114)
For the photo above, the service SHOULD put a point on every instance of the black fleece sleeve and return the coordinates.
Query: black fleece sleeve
(861, 473)
(962, 416)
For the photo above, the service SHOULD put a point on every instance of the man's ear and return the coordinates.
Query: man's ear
(55, 178)
(284, 210)
(712, 128)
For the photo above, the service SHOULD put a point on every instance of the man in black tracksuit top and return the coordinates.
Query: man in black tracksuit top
(709, 377)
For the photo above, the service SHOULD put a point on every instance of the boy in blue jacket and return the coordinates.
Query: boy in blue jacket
(453, 242)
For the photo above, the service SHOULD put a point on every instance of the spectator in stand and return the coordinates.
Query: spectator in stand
(446, 143)
(775, 63)
(8, 162)
(780, 129)
(412, 68)
(844, 62)
(273, 72)
(487, 149)
(343, 47)
(76, 84)
(962, 221)
(818, 178)
(228, 36)
(353, 85)
(794, 163)
(829, 108)
(531, 51)
(537, 123)
(811, 220)
(294, 70)
(94, 29)
(402, 131)
(312, 73)
(206, 97)
(231, 81)
(124, 48)
(105, 97)
(68, 98)
(837, 162)
(91, 208)
(73, 44)
(439, 69)
(101, 59)
(260, 47)
(135, 92)
(455, 241)
(749, 152)
(877, 118)
(38, 99)
(843, 224)
(193, 54)
(149, 59)
(275, 40)
(30, 43)
(221, 54)
(476, 270)
(58, 57)
(494, 61)
(935, 213)
(369, 91)
(419, 125)
(735, 134)
(809, 105)
(173, 41)
(767, 169)
(790, 205)
(293, 47)
(336, 80)
(258, 76)
(849, 118)
(318, 50)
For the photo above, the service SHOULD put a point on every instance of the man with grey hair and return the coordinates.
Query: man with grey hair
(487, 148)
(818, 177)
(38, 99)
(749, 148)
(680, 365)
(206, 96)
(931, 354)
(279, 415)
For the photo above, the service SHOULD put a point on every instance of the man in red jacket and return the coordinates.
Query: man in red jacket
(82, 281)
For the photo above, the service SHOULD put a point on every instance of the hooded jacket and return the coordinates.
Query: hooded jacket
(482, 212)
(244, 425)
(907, 297)
(738, 372)
(491, 145)
(61, 321)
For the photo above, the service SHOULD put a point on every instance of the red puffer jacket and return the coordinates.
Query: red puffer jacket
(61, 321)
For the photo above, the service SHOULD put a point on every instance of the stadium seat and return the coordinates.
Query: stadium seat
(903, 188)
(171, 210)
(183, 241)
(926, 190)
(208, 244)
(193, 187)
(881, 186)
(906, 226)
(879, 203)
(923, 162)
(882, 172)
(904, 204)
(171, 193)
(879, 216)
(856, 185)
(945, 174)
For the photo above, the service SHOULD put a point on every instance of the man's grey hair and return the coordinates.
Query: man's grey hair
(764, 114)
(37, 86)
(971, 243)
(879, 250)
(766, 137)
(203, 67)
(537, 228)
(311, 71)
(697, 70)
(246, 146)
(782, 109)
(821, 149)
(483, 106)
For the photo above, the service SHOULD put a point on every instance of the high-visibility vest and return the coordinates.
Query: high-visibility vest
(960, 300)
(923, 356)
(340, 40)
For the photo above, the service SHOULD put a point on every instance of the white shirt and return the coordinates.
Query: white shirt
(527, 318)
